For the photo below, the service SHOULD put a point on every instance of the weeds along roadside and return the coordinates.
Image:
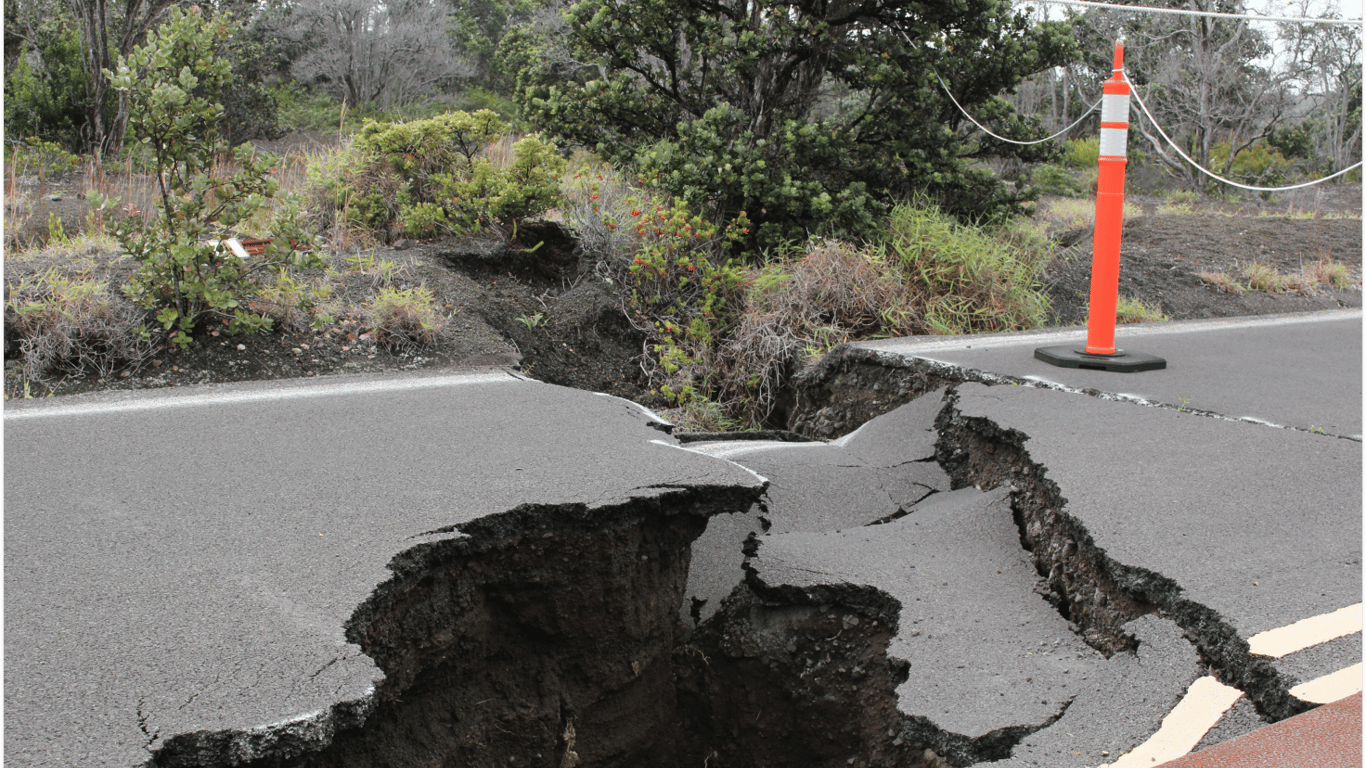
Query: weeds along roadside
(727, 330)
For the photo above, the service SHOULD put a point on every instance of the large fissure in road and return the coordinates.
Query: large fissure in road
(1093, 591)
(554, 636)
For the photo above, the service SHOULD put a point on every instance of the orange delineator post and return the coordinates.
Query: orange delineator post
(1100, 351)
(1114, 139)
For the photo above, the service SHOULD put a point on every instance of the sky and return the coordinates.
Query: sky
(1350, 9)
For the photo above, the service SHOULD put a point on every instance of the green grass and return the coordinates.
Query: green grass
(965, 279)
(1132, 310)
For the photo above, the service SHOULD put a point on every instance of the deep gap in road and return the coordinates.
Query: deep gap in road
(551, 636)
(1094, 592)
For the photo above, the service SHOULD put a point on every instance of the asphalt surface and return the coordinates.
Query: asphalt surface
(186, 561)
(1236, 472)
(987, 652)
(1261, 524)
(183, 561)
(1302, 371)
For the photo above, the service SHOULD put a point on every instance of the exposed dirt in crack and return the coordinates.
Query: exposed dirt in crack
(1094, 592)
(852, 385)
(797, 677)
(541, 636)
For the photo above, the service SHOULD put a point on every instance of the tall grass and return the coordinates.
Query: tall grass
(965, 279)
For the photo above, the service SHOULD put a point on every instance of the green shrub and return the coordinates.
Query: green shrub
(1082, 153)
(1050, 179)
(440, 175)
(301, 109)
(670, 264)
(290, 303)
(171, 84)
(1259, 162)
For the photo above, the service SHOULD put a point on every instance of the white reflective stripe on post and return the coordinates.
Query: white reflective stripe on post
(1114, 108)
(1114, 142)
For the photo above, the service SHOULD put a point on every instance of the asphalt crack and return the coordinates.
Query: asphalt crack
(1089, 588)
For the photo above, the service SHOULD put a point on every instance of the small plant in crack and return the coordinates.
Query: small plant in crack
(532, 321)
(1184, 402)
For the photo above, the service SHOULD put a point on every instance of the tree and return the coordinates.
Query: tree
(479, 26)
(1201, 78)
(98, 51)
(809, 115)
(1325, 64)
(45, 85)
(172, 86)
(368, 51)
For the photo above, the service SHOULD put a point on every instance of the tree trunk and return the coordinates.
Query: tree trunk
(99, 135)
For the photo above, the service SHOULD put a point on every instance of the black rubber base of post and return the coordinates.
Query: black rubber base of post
(1119, 362)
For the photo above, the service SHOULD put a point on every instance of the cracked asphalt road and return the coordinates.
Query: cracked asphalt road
(188, 561)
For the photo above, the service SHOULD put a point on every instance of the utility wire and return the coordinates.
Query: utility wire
(1012, 141)
(1216, 177)
(1214, 14)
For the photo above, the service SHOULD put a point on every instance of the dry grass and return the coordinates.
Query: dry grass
(1222, 281)
(73, 324)
(1264, 277)
(1064, 213)
(1331, 273)
(802, 308)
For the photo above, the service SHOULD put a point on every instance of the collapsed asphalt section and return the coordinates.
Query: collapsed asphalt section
(1227, 528)
(488, 570)
(407, 575)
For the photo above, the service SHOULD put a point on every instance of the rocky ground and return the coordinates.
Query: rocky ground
(548, 314)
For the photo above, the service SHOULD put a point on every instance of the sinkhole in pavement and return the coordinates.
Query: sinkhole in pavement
(568, 636)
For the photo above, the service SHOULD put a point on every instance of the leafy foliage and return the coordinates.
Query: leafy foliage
(172, 84)
(45, 88)
(678, 286)
(807, 115)
(437, 175)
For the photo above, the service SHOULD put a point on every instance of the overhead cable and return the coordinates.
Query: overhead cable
(1187, 12)
(1002, 138)
(1217, 177)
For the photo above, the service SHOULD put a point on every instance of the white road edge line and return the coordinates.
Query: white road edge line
(1331, 687)
(732, 448)
(258, 396)
(917, 345)
(1199, 710)
(1306, 633)
(761, 478)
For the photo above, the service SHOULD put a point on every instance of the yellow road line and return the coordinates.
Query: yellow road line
(1207, 699)
(1199, 710)
(1330, 688)
(1286, 640)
